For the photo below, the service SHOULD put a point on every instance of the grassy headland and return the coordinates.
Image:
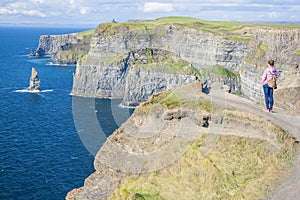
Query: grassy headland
(236, 167)
(232, 30)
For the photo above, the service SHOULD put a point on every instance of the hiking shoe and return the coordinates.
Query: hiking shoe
(270, 111)
(266, 110)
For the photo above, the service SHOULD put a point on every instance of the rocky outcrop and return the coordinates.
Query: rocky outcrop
(63, 49)
(34, 82)
(49, 45)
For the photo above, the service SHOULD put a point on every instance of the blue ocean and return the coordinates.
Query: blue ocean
(43, 146)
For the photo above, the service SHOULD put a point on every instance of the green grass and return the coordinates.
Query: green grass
(164, 63)
(151, 26)
(236, 38)
(170, 67)
(110, 60)
(172, 99)
(175, 19)
(240, 94)
(264, 47)
(289, 26)
(87, 33)
(236, 168)
(221, 28)
(298, 52)
(218, 69)
(167, 99)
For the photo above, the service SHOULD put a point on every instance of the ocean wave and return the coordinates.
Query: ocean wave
(57, 64)
(33, 91)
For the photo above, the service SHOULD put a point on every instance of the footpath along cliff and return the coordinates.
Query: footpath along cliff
(179, 140)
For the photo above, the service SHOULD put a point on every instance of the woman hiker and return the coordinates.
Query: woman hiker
(268, 91)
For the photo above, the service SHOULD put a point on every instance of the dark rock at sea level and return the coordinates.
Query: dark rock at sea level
(34, 83)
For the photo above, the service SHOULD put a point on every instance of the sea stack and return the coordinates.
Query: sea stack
(34, 83)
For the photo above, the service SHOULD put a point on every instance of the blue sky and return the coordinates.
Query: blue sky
(90, 13)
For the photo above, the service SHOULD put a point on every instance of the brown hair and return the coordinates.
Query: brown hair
(271, 62)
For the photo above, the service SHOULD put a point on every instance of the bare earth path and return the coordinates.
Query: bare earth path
(289, 187)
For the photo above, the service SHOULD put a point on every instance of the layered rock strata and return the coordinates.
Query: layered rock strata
(281, 45)
(110, 69)
(63, 49)
(51, 44)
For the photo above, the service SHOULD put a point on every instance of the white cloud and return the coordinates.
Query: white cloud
(157, 7)
(5, 11)
(18, 5)
(22, 8)
(39, 1)
(97, 11)
(72, 3)
(273, 15)
(33, 13)
(83, 10)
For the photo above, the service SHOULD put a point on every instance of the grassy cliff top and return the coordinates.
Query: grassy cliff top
(87, 33)
(235, 167)
(230, 29)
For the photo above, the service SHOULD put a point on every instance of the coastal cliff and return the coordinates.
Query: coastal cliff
(51, 44)
(134, 60)
(179, 145)
(178, 138)
(63, 49)
(133, 78)
(175, 50)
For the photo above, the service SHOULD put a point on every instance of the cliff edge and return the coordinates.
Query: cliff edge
(183, 144)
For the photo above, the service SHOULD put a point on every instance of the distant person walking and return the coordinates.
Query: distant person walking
(268, 91)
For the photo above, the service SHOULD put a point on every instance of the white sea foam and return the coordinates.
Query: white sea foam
(46, 91)
(58, 64)
(124, 106)
(32, 91)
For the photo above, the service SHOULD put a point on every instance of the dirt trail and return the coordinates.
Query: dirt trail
(289, 187)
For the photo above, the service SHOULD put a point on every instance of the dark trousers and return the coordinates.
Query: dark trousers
(268, 96)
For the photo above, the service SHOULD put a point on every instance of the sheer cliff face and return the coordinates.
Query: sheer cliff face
(199, 48)
(110, 69)
(51, 44)
(63, 49)
(281, 45)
